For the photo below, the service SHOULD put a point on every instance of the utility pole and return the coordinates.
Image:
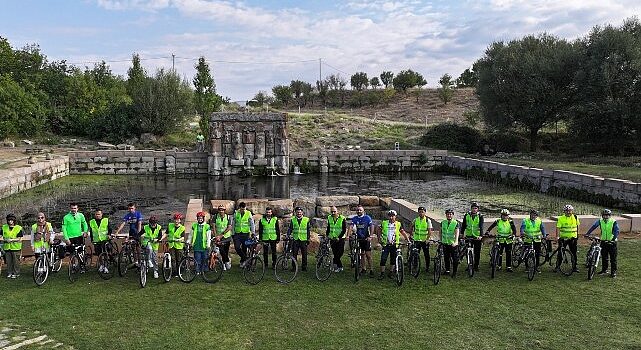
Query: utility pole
(173, 62)
(320, 70)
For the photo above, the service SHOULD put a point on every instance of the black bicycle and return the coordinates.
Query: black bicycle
(594, 255)
(496, 256)
(413, 259)
(128, 256)
(437, 261)
(565, 261)
(466, 250)
(254, 268)
(77, 262)
(286, 267)
(324, 259)
(108, 259)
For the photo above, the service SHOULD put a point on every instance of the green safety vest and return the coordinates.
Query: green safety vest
(385, 231)
(606, 229)
(448, 231)
(42, 242)
(221, 225)
(241, 223)
(504, 230)
(472, 225)
(299, 231)
(149, 235)
(11, 234)
(99, 233)
(420, 229)
(194, 228)
(568, 226)
(269, 229)
(175, 233)
(200, 138)
(532, 230)
(335, 226)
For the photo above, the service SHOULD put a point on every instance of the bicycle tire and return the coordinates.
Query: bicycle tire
(187, 269)
(142, 273)
(543, 253)
(254, 270)
(124, 260)
(105, 268)
(591, 264)
(437, 269)
(400, 270)
(166, 267)
(40, 270)
(567, 262)
(214, 270)
(494, 260)
(323, 267)
(286, 269)
(414, 264)
(74, 267)
(357, 266)
(470, 263)
(517, 252)
(530, 264)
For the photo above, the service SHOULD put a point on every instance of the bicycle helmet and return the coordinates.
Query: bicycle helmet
(568, 207)
(11, 217)
(153, 219)
(392, 213)
(505, 212)
(421, 208)
(474, 205)
(606, 212)
(200, 214)
(178, 216)
(534, 211)
(449, 211)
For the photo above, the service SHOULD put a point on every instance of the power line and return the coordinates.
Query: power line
(330, 66)
(249, 62)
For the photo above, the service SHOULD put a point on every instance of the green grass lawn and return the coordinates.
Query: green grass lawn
(551, 312)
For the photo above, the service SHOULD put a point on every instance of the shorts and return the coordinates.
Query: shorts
(365, 245)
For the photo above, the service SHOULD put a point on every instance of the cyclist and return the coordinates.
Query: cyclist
(532, 229)
(505, 231)
(12, 236)
(42, 235)
(421, 231)
(362, 225)
(336, 229)
(299, 231)
(244, 226)
(74, 228)
(450, 230)
(176, 240)
(150, 238)
(201, 241)
(221, 229)
(390, 238)
(609, 235)
(269, 234)
(567, 229)
(472, 227)
(100, 232)
(134, 219)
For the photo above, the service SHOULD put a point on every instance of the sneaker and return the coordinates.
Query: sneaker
(340, 269)
(197, 273)
(603, 272)
(228, 265)
(575, 270)
(509, 269)
(242, 265)
(498, 268)
(16, 276)
(538, 270)
(10, 275)
(13, 276)
(381, 276)
(100, 268)
(447, 272)
(155, 274)
(105, 270)
(614, 274)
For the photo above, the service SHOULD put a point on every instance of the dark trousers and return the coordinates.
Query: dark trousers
(12, 257)
(176, 256)
(450, 255)
(476, 244)
(224, 251)
(609, 252)
(571, 244)
(537, 252)
(338, 248)
(426, 251)
(302, 245)
(75, 242)
(267, 245)
(239, 245)
(388, 249)
(507, 247)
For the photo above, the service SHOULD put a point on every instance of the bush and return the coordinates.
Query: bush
(508, 142)
(453, 137)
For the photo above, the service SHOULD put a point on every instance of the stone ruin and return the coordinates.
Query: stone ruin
(248, 143)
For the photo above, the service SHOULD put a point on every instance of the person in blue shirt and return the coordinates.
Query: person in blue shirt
(609, 235)
(134, 219)
(533, 230)
(362, 226)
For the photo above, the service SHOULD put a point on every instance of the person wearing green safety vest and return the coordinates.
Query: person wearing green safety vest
(390, 237)
(74, 228)
(336, 231)
(12, 236)
(269, 234)
(42, 235)
(152, 234)
(609, 236)
(533, 230)
(421, 229)
(100, 232)
(176, 241)
(201, 241)
(450, 229)
(299, 231)
(200, 142)
(472, 227)
(243, 225)
(567, 233)
(505, 232)
(221, 229)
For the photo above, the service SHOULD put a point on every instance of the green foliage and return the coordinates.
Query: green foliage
(20, 112)
(206, 100)
(263, 98)
(472, 117)
(374, 83)
(387, 78)
(446, 91)
(468, 78)
(359, 81)
(452, 137)
(408, 79)
(282, 94)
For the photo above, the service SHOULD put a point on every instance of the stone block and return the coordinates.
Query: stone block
(255, 205)
(625, 224)
(635, 221)
(369, 201)
(260, 162)
(307, 204)
(282, 207)
(328, 201)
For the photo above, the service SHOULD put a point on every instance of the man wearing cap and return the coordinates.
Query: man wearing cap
(472, 227)
(12, 237)
(421, 230)
(221, 227)
(243, 225)
(299, 231)
(390, 238)
(336, 229)
(269, 234)
(609, 235)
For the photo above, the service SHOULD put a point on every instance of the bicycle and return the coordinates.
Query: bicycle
(593, 256)
(357, 259)
(286, 267)
(128, 256)
(496, 256)
(167, 267)
(1, 255)
(466, 250)
(77, 262)
(144, 262)
(107, 260)
(437, 261)
(187, 266)
(254, 268)
(400, 268)
(413, 259)
(46, 263)
(324, 259)
(567, 260)
(527, 254)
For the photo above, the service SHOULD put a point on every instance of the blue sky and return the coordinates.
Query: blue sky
(254, 45)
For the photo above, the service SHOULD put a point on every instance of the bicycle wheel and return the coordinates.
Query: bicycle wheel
(254, 270)
(214, 270)
(166, 267)
(470, 263)
(105, 268)
(591, 264)
(40, 270)
(142, 273)
(88, 257)
(543, 254)
(567, 262)
(400, 270)
(124, 260)
(286, 269)
(494, 260)
(437, 269)
(414, 264)
(357, 267)
(323, 267)
(187, 269)
(517, 252)
(530, 264)
(74, 267)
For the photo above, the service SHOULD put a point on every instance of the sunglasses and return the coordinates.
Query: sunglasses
(41, 217)
(334, 211)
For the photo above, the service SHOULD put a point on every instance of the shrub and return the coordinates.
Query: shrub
(452, 137)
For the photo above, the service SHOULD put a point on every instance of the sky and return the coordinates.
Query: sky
(254, 45)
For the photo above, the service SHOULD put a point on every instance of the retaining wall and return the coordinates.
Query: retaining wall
(137, 162)
(23, 178)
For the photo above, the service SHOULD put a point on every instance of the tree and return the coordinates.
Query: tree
(297, 87)
(282, 94)
(321, 88)
(468, 78)
(387, 78)
(359, 81)
(445, 92)
(374, 83)
(20, 112)
(263, 98)
(526, 82)
(307, 94)
(408, 79)
(206, 100)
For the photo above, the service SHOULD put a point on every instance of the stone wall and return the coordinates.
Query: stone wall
(23, 178)
(144, 162)
(589, 188)
(340, 161)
